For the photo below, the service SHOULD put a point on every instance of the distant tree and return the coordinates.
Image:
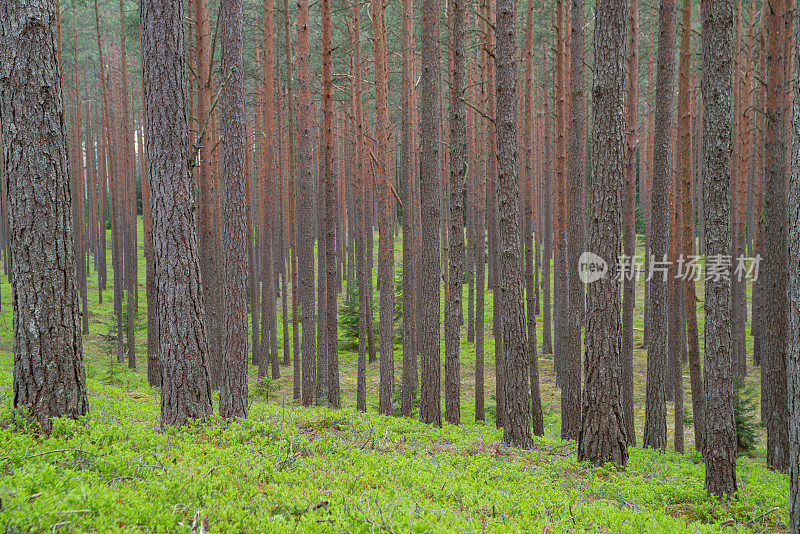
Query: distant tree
(720, 434)
(49, 377)
(430, 195)
(602, 437)
(537, 422)
(185, 385)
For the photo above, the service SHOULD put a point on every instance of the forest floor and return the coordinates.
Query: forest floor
(292, 469)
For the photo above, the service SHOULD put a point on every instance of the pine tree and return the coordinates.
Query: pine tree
(49, 377)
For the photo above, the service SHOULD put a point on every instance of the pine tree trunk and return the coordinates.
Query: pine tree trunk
(775, 267)
(409, 207)
(655, 422)
(331, 265)
(385, 238)
(793, 352)
(185, 386)
(210, 257)
(430, 195)
(687, 219)
(537, 421)
(49, 377)
(455, 234)
(719, 440)
(547, 219)
(516, 417)
(233, 390)
(571, 392)
(602, 437)
(629, 220)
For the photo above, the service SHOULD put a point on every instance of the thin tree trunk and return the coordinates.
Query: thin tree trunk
(775, 268)
(455, 234)
(629, 220)
(655, 422)
(571, 392)
(409, 206)
(385, 238)
(687, 218)
(537, 421)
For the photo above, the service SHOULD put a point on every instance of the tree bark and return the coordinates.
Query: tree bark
(720, 434)
(629, 219)
(233, 391)
(408, 170)
(602, 437)
(455, 234)
(793, 352)
(49, 378)
(571, 391)
(430, 194)
(655, 422)
(516, 417)
(185, 386)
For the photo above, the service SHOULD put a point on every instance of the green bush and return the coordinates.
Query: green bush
(745, 413)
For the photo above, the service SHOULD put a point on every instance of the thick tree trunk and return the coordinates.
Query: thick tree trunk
(233, 390)
(430, 195)
(185, 386)
(602, 437)
(516, 417)
(720, 434)
(49, 377)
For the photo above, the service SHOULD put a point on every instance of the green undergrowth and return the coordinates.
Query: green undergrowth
(291, 469)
